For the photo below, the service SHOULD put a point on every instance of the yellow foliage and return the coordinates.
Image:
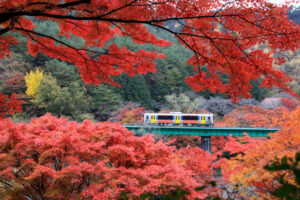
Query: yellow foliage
(33, 80)
(129, 118)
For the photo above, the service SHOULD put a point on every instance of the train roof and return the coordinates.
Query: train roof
(189, 114)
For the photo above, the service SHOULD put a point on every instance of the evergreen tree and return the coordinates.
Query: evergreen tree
(257, 92)
(63, 72)
(104, 101)
(134, 89)
(158, 91)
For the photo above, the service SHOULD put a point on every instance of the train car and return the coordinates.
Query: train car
(178, 119)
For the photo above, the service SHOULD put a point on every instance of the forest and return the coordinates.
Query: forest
(73, 73)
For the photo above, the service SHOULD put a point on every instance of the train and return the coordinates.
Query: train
(178, 119)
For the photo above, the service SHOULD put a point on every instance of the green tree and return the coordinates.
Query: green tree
(257, 92)
(69, 101)
(173, 79)
(104, 101)
(158, 91)
(134, 89)
(63, 72)
(171, 71)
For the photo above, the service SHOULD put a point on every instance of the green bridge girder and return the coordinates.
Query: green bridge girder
(201, 131)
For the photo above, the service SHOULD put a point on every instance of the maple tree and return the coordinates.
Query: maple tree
(54, 158)
(221, 34)
(9, 106)
(246, 170)
(291, 104)
(129, 114)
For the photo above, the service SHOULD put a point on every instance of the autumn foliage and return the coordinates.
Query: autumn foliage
(59, 159)
(221, 35)
(15, 84)
(33, 80)
(129, 114)
(9, 106)
(289, 103)
(252, 116)
(246, 170)
(54, 158)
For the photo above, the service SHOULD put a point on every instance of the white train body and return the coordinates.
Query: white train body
(177, 118)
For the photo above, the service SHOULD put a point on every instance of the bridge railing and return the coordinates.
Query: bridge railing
(201, 131)
(204, 132)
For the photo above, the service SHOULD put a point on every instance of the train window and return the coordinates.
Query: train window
(189, 117)
(208, 118)
(202, 117)
(160, 117)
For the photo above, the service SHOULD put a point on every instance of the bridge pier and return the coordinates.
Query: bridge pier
(206, 143)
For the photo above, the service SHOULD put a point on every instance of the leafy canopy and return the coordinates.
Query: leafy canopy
(54, 158)
(246, 169)
(9, 106)
(68, 101)
(33, 80)
(221, 34)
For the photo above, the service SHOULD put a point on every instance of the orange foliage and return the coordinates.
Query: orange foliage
(291, 104)
(246, 170)
(134, 116)
(129, 114)
(251, 116)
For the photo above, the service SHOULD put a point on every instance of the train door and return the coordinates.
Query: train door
(153, 119)
(202, 120)
(177, 119)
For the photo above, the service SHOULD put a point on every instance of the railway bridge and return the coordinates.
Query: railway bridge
(204, 132)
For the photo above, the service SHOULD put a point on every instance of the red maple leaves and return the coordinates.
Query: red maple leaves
(56, 158)
(221, 34)
(9, 106)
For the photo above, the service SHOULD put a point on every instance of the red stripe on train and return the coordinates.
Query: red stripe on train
(190, 122)
(164, 121)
